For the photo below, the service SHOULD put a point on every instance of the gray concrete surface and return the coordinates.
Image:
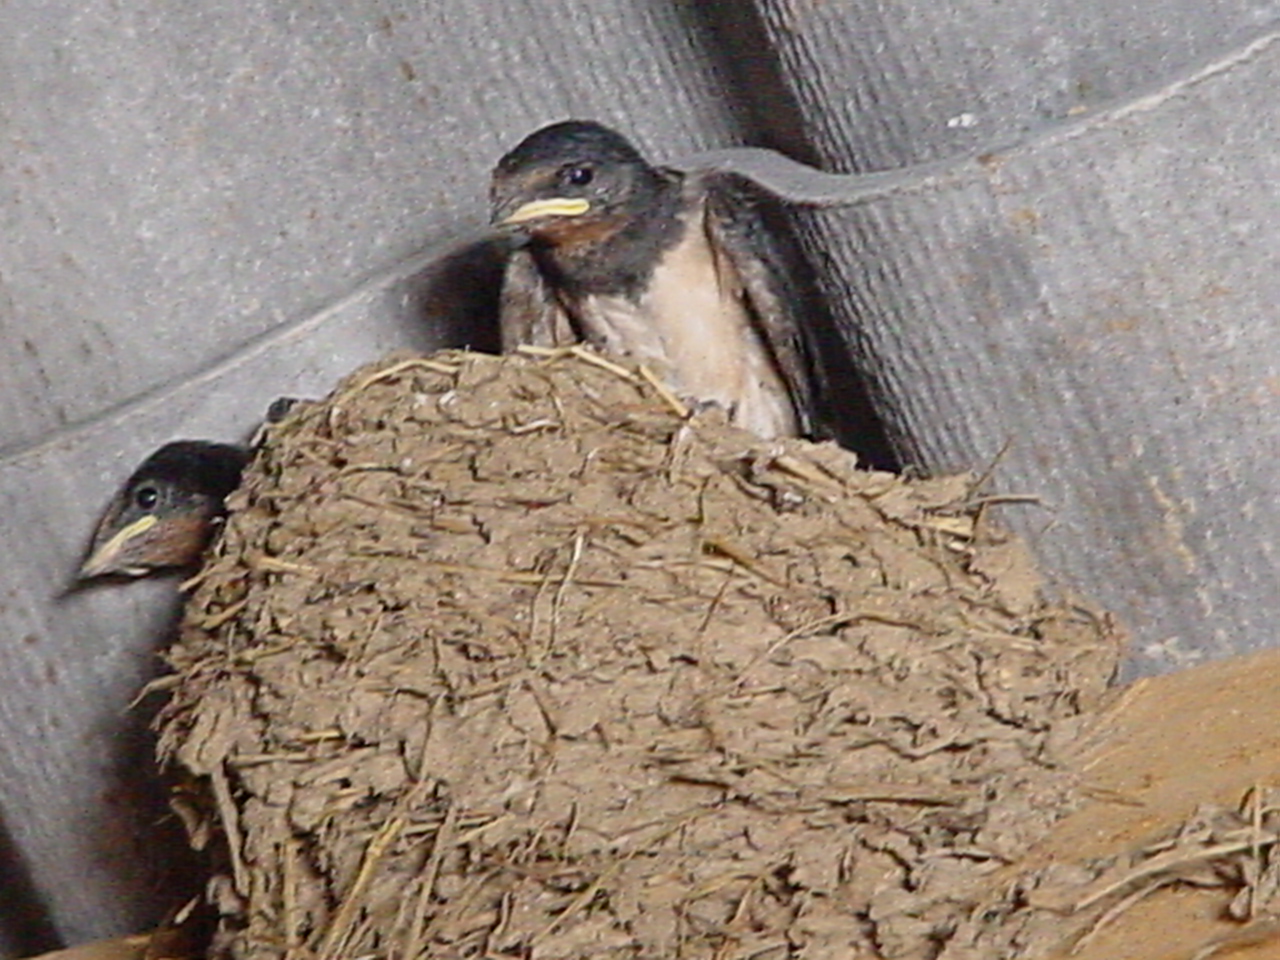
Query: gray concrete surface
(182, 178)
(206, 205)
(886, 84)
(1099, 305)
(1094, 297)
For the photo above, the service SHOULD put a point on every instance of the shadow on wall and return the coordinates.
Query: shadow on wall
(846, 412)
(456, 296)
(27, 928)
(177, 872)
(734, 37)
(138, 793)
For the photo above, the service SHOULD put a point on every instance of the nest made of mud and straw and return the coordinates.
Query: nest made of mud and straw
(510, 657)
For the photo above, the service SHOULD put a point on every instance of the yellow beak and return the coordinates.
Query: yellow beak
(105, 558)
(552, 207)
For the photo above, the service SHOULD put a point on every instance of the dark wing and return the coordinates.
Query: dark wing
(740, 232)
(529, 313)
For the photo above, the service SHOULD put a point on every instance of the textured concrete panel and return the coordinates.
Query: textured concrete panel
(1101, 302)
(884, 84)
(204, 206)
(180, 178)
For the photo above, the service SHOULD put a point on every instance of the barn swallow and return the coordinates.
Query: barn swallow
(673, 270)
(166, 511)
(164, 514)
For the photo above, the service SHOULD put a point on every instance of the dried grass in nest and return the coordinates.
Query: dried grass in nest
(504, 657)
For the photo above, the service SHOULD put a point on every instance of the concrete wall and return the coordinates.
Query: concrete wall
(207, 205)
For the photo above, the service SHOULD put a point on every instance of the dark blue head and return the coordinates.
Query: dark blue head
(576, 175)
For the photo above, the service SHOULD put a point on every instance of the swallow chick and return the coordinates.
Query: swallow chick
(669, 269)
(166, 511)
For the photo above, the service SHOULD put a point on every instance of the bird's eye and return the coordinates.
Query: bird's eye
(146, 497)
(577, 176)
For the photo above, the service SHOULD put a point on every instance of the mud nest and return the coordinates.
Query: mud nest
(506, 657)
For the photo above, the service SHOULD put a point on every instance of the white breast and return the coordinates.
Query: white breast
(692, 329)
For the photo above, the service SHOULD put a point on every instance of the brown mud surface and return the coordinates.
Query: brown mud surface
(506, 657)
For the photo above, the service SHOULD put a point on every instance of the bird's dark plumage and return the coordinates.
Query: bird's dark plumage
(163, 515)
(669, 269)
(571, 140)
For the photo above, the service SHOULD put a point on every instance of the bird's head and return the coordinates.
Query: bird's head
(570, 183)
(165, 512)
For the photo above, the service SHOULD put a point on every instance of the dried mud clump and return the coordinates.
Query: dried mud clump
(504, 657)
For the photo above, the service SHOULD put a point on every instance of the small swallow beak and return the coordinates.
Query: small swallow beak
(111, 556)
(537, 209)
